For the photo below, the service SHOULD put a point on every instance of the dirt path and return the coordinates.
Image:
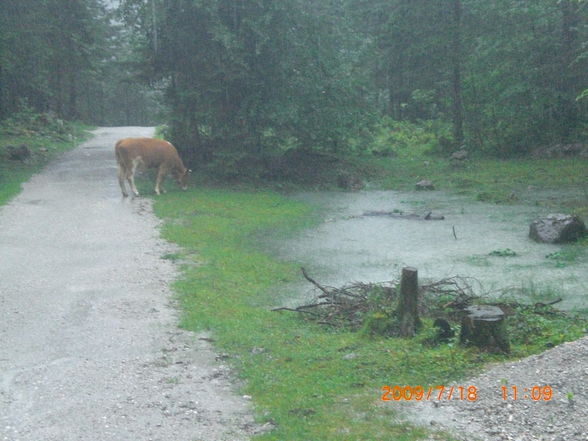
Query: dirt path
(89, 345)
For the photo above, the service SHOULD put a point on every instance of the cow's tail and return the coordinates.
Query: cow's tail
(117, 153)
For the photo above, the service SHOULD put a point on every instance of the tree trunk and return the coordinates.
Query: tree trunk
(408, 316)
(571, 77)
(72, 113)
(456, 75)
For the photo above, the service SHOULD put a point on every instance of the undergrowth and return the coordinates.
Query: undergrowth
(404, 153)
(44, 136)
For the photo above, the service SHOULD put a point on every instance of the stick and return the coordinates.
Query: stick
(295, 310)
(454, 235)
(315, 283)
(553, 302)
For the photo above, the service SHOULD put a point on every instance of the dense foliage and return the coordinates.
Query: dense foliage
(70, 58)
(259, 79)
(508, 71)
(252, 84)
(248, 81)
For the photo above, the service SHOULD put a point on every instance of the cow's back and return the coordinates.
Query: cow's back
(152, 152)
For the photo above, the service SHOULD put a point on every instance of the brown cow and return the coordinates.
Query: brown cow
(148, 153)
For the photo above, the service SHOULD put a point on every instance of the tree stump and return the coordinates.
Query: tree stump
(484, 326)
(407, 311)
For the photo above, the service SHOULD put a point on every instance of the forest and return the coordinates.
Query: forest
(243, 85)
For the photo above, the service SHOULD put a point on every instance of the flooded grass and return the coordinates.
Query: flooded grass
(317, 383)
(307, 381)
(301, 376)
(485, 241)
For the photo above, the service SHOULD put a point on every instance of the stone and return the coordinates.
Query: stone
(424, 185)
(349, 182)
(19, 153)
(557, 228)
(459, 155)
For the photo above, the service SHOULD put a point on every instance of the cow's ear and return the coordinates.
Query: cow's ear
(189, 170)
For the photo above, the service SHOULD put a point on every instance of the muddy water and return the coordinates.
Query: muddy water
(347, 246)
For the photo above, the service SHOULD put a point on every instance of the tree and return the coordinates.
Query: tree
(68, 57)
(248, 81)
(456, 83)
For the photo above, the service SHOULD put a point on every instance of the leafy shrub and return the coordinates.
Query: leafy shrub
(407, 139)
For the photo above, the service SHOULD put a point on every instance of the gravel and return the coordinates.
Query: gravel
(564, 417)
(89, 343)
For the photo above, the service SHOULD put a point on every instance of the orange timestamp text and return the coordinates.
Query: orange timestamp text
(535, 393)
(420, 393)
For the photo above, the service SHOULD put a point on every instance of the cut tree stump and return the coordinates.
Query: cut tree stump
(408, 316)
(484, 326)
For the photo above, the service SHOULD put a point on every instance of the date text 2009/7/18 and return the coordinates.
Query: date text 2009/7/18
(464, 393)
(420, 393)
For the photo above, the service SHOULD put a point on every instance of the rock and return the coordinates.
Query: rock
(350, 356)
(349, 182)
(557, 228)
(19, 153)
(432, 216)
(459, 155)
(424, 185)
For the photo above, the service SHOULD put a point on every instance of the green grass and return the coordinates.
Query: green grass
(478, 173)
(310, 382)
(414, 148)
(13, 173)
(570, 254)
(552, 183)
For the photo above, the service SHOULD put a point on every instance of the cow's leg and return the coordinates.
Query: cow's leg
(131, 176)
(121, 181)
(159, 180)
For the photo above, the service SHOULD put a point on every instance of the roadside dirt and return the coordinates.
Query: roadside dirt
(89, 344)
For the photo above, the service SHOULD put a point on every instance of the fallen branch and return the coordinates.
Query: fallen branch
(299, 309)
(314, 282)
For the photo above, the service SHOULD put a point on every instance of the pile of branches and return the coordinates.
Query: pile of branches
(372, 308)
(344, 306)
(448, 296)
(350, 305)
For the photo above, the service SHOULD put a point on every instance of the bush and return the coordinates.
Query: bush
(408, 139)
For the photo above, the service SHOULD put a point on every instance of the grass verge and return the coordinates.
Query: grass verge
(44, 142)
(309, 382)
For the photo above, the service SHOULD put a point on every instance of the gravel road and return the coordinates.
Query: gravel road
(89, 344)
(562, 416)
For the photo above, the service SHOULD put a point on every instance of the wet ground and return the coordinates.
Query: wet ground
(348, 247)
(89, 344)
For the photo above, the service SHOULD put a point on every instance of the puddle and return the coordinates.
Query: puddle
(350, 247)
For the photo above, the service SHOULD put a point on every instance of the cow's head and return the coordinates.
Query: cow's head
(182, 177)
